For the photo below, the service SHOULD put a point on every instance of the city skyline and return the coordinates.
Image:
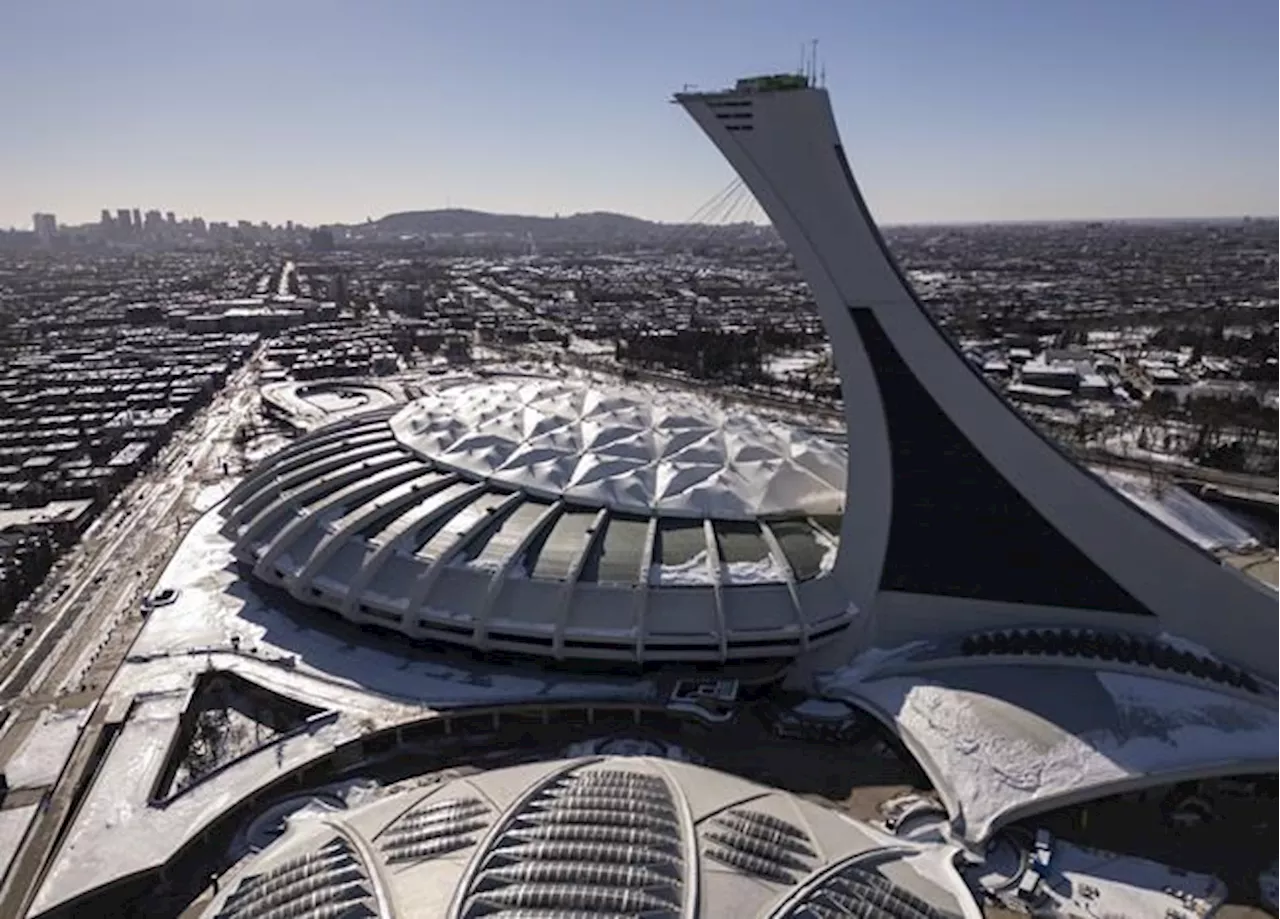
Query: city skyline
(47, 224)
(471, 565)
(998, 112)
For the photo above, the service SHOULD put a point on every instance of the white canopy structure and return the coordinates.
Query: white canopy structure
(645, 451)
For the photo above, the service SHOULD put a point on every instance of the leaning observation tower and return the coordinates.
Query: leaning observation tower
(960, 516)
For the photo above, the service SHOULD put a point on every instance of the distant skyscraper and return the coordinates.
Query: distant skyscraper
(137, 220)
(338, 290)
(105, 221)
(322, 240)
(153, 221)
(169, 218)
(124, 221)
(45, 226)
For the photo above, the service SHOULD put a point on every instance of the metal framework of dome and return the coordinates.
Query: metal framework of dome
(330, 881)
(435, 829)
(557, 519)
(760, 844)
(854, 892)
(578, 872)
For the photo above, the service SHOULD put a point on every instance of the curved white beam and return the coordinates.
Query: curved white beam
(823, 270)
(943, 474)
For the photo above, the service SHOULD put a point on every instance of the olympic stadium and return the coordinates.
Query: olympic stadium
(561, 518)
(897, 663)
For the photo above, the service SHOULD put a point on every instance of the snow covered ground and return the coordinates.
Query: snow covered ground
(212, 495)
(117, 830)
(1106, 884)
(590, 346)
(1125, 444)
(783, 365)
(45, 751)
(1181, 511)
(264, 447)
(13, 826)
(214, 603)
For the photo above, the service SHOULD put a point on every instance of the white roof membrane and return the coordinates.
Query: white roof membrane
(1005, 740)
(626, 448)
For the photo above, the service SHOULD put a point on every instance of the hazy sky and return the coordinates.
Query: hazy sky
(319, 110)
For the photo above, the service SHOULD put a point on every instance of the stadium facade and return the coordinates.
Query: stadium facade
(558, 518)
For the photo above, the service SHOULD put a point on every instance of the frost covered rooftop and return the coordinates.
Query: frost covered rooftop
(216, 626)
(1041, 719)
(594, 836)
(558, 518)
(643, 451)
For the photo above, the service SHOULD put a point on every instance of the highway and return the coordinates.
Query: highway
(86, 622)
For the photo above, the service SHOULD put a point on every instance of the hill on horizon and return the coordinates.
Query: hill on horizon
(461, 221)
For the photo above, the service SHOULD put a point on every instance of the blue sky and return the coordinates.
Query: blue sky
(318, 110)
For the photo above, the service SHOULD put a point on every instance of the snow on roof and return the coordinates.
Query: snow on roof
(352, 519)
(626, 448)
(1181, 511)
(44, 752)
(13, 827)
(693, 823)
(1004, 741)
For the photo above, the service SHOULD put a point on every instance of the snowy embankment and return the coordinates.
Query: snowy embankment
(1181, 511)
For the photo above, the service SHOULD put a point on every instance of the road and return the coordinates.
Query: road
(101, 588)
(288, 278)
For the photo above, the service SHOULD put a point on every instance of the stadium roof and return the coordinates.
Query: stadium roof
(557, 518)
(600, 837)
(646, 451)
